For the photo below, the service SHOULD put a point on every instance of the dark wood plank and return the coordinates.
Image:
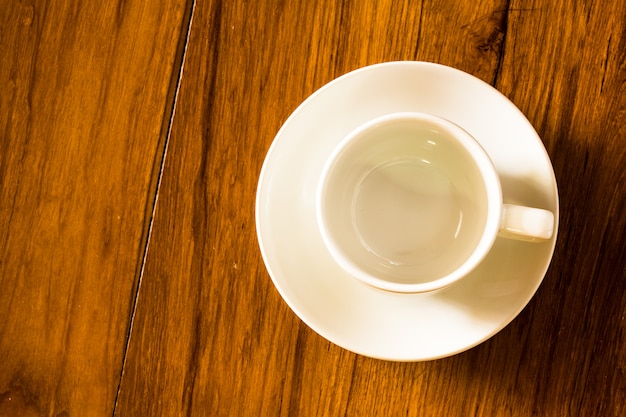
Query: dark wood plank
(85, 102)
(572, 85)
(211, 335)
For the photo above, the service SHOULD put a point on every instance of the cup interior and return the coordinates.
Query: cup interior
(404, 202)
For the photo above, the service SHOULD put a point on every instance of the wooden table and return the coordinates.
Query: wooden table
(132, 134)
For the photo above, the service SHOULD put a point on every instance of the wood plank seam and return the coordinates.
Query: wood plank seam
(169, 108)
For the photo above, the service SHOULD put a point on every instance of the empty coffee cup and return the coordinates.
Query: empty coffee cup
(411, 202)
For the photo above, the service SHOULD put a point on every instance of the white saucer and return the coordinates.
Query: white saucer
(401, 327)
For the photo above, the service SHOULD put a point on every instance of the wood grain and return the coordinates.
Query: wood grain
(85, 100)
(212, 336)
(86, 93)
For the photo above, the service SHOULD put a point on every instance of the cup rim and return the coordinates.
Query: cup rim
(494, 205)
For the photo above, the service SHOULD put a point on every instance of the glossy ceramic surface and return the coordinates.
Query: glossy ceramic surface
(368, 321)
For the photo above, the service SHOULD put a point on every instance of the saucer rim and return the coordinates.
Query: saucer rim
(293, 304)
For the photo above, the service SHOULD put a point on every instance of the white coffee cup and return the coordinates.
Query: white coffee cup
(411, 202)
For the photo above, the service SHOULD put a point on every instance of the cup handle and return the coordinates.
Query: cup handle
(526, 223)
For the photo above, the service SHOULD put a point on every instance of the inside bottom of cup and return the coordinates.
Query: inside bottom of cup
(404, 202)
(408, 214)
